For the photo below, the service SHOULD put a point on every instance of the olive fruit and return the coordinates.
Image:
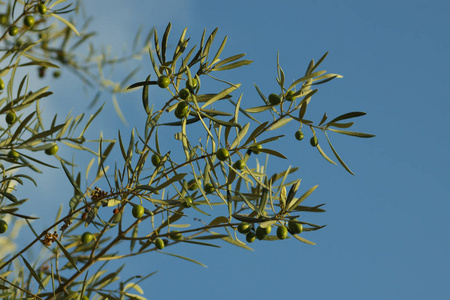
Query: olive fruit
(137, 211)
(156, 159)
(192, 185)
(244, 227)
(2, 84)
(222, 154)
(209, 188)
(188, 202)
(115, 211)
(191, 85)
(13, 155)
(182, 110)
(159, 243)
(52, 150)
(87, 237)
(56, 74)
(3, 226)
(250, 237)
(295, 227)
(29, 21)
(163, 81)
(255, 148)
(13, 30)
(299, 135)
(289, 96)
(184, 93)
(260, 233)
(85, 297)
(3, 19)
(11, 117)
(314, 141)
(282, 232)
(239, 164)
(274, 99)
(42, 9)
(175, 235)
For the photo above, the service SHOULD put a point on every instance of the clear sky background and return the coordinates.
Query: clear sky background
(387, 227)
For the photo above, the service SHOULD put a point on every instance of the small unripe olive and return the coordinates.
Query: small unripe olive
(289, 96)
(184, 93)
(29, 21)
(239, 164)
(159, 243)
(192, 185)
(188, 202)
(299, 135)
(250, 237)
(52, 151)
(282, 232)
(163, 81)
(2, 84)
(222, 154)
(314, 141)
(3, 226)
(295, 227)
(244, 227)
(274, 99)
(13, 30)
(191, 85)
(137, 211)
(209, 188)
(156, 159)
(87, 237)
(175, 235)
(255, 148)
(13, 155)
(11, 117)
(42, 8)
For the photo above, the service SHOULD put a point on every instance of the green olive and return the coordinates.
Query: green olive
(3, 226)
(13, 155)
(52, 150)
(299, 135)
(11, 117)
(192, 185)
(29, 21)
(163, 81)
(13, 30)
(314, 141)
(255, 148)
(222, 154)
(289, 96)
(87, 237)
(239, 164)
(282, 232)
(250, 237)
(209, 188)
(274, 99)
(184, 93)
(156, 159)
(42, 8)
(159, 243)
(137, 211)
(295, 227)
(244, 227)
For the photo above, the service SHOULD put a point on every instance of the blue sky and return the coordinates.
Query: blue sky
(387, 227)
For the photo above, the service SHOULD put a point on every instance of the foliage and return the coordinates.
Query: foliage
(210, 163)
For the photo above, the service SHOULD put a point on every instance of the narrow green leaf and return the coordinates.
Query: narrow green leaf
(338, 157)
(301, 239)
(348, 116)
(352, 133)
(182, 257)
(175, 178)
(300, 200)
(280, 123)
(324, 155)
(33, 273)
(229, 59)
(220, 95)
(72, 181)
(67, 254)
(145, 96)
(258, 109)
(272, 152)
(68, 24)
(233, 65)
